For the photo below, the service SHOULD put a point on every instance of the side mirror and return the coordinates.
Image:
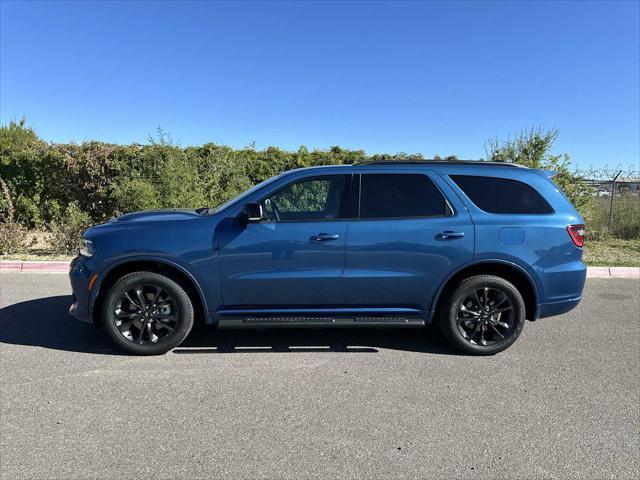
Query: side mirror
(251, 213)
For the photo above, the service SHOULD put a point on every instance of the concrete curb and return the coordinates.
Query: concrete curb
(63, 267)
(613, 272)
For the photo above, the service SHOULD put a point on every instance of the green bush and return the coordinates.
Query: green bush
(12, 234)
(12, 238)
(49, 183)
(66, 233)
(135, 194)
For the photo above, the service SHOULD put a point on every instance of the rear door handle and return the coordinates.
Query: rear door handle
(324, 237)
(447, 234)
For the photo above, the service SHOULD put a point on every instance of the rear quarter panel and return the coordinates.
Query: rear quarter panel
(538, 243)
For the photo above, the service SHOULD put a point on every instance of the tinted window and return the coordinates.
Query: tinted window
(500, 195)
(317, 198)
(400, 196)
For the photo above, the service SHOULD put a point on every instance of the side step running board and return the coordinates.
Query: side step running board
(307, 322)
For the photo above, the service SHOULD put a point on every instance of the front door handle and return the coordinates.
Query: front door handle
(447, 234)
(324, 237)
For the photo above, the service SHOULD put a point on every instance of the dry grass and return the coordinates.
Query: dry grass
(39, 258)
(39, 247)
(613, 253)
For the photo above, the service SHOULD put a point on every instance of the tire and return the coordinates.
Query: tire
(161, 324)
(483, 308)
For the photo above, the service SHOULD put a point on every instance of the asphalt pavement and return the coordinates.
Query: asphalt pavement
(563, 402)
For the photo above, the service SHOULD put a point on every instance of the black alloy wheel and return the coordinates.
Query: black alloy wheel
(147, 313)
(484, 315)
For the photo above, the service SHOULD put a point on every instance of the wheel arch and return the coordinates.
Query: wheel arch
(150, 264)
(510, 271)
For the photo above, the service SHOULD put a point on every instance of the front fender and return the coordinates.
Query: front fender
(171, 262)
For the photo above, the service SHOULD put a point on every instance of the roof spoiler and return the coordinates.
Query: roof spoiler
(547, 173)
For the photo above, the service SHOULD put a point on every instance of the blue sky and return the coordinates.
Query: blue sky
(424, 77)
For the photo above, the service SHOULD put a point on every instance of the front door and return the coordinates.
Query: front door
(294, 258)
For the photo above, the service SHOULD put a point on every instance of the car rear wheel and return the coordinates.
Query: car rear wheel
(484, 315)
(146, 313)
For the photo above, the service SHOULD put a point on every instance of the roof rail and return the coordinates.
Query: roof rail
(441, 162)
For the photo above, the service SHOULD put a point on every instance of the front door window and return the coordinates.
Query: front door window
(311, 199)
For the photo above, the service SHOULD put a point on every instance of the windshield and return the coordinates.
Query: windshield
(243, 195)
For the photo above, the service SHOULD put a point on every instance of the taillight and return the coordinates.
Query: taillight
(576, 232)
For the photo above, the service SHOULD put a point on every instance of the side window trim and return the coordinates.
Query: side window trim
(450, 210)
(353, 212)
(346, 194)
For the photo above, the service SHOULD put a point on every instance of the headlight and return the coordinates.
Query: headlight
(88, 249)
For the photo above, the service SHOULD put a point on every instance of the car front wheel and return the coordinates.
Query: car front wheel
(146, 313)
(484, 315)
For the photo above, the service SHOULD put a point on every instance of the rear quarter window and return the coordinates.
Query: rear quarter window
(502, 195)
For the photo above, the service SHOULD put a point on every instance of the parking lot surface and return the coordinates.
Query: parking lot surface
(563, 402)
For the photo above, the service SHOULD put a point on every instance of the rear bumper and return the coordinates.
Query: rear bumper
(558, 308)
(80, 273)
(562, 285)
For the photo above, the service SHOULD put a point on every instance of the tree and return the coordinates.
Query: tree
(532, 148)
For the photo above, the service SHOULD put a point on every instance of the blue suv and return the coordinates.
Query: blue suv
(476, 247)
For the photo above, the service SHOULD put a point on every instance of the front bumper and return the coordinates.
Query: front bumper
(81, 272)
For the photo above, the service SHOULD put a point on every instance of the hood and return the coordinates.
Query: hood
(158, 215)
(156, 220)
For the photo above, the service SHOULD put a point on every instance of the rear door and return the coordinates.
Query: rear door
(410, 231)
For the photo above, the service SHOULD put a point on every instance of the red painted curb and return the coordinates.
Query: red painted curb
(45, 266)
(10, 266)
(33, 267)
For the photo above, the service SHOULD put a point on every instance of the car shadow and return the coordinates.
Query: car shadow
(44, 322)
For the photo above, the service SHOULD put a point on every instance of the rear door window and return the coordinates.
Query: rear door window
(502, 195)
(400, 196)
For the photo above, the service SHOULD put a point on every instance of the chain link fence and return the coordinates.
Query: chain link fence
(615, 209)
